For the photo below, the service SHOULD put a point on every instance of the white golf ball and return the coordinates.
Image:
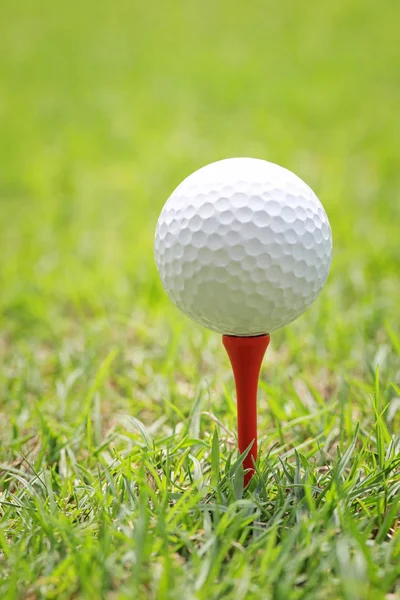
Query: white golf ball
(243, 246)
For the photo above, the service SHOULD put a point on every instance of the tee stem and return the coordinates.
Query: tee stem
(246, 355)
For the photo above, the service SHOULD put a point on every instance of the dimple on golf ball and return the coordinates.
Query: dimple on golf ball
(243, 246)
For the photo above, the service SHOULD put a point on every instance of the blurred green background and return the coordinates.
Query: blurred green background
(105, 107)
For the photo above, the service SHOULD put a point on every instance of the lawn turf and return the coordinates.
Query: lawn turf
(118, 472)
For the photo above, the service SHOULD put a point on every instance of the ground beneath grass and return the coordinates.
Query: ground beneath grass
(119, 476)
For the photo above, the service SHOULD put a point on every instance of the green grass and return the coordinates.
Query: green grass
(118, 471)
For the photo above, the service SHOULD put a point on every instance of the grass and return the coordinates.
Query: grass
(118, 471)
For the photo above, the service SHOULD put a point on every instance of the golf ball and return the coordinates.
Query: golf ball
(243, 246)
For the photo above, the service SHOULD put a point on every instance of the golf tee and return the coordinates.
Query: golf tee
(246, 355)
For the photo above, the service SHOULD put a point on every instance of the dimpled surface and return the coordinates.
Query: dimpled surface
(243, 246)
